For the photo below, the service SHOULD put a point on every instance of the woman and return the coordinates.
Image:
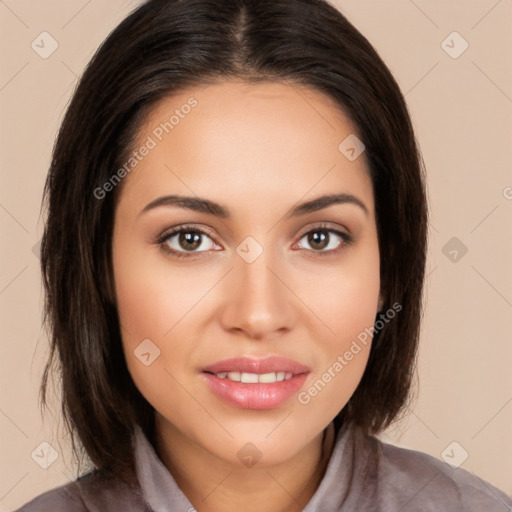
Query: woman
(233, 262)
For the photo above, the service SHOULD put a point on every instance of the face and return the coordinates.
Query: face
(243, 270)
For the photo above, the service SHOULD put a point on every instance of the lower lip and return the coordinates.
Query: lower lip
(255, 396)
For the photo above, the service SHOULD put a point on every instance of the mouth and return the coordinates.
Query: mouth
(255, 383)
(254, 378)
(260, 367)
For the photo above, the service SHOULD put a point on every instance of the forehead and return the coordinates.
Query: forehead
(263, 138)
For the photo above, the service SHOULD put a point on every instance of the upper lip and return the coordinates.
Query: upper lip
(259, 366)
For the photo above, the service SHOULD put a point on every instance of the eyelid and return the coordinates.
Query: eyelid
(347, 238)
(171, 232)
(325, 226)
(186, 227)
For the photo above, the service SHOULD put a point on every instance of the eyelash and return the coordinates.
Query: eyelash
(165, 237)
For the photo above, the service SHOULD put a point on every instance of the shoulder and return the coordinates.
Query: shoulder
(417, 481)
(88, 493)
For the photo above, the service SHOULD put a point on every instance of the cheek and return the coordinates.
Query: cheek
(158, 302)
(150, 299)
(150, 310)
(347, 303)
(345, 296)
(345, 300)
(145, 311)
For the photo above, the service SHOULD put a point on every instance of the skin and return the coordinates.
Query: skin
(257, 149)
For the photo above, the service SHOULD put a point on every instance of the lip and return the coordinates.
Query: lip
(255, 395)
(259, 366)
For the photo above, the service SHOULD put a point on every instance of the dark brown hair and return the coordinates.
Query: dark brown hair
(162, 48)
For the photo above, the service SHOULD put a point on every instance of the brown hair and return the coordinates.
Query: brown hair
(164, 47)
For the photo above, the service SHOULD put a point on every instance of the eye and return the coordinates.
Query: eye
(186, 239)
(325, 239)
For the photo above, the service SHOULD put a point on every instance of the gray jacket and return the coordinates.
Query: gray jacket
(363, 474)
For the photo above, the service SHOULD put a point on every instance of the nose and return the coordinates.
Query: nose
(257, 300)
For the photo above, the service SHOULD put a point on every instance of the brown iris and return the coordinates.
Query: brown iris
(190, 240)
(318, 239)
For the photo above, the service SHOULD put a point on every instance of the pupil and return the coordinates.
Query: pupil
(190, 238)
(318, 238)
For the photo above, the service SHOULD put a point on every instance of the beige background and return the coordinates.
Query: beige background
(462, 111)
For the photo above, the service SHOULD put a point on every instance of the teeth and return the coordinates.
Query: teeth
(253, 378)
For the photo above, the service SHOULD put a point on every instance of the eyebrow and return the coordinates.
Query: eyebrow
(203, 205)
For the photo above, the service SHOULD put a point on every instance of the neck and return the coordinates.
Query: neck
(212, 484)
